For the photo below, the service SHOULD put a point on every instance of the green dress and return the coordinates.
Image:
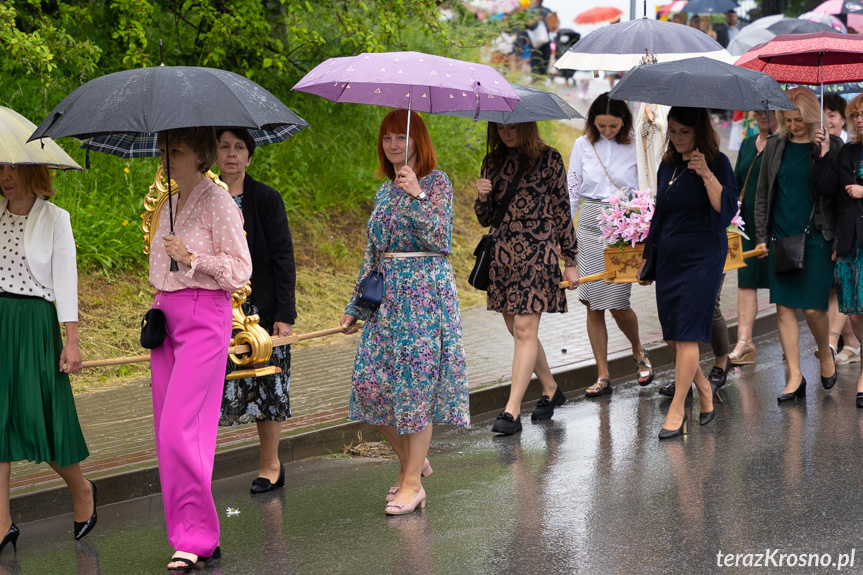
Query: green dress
(754, 275)
(808, 288)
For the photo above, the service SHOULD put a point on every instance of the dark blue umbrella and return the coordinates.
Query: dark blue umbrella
(702, 83)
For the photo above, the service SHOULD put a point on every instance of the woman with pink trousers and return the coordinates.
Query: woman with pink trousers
(188, 369)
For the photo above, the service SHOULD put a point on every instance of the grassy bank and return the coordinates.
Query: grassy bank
(328, 249)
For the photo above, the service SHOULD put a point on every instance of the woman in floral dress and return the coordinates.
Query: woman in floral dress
(409, 372)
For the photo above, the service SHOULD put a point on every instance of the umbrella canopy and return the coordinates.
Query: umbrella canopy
(832, 21)
(819, 58)
(710, 6)
(15, 129)
(413, 80)
(767, 28)
(622, 46)
(702, 83)
(149, 100)
(840, 7)
(535, 106)
(599, 15)
(676, 6)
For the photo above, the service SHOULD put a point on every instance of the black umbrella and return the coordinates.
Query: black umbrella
(702, 83)
(535, 105)
(121, 112)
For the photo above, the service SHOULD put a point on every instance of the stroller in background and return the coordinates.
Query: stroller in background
(564, 40)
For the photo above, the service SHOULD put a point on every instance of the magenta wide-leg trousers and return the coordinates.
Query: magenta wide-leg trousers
(188, 375)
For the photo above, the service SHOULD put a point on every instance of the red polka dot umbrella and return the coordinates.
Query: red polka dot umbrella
(818, 58)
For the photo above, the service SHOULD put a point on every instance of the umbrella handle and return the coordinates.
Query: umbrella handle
(408, 135)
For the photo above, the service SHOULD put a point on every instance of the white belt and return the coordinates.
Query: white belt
(413, 254)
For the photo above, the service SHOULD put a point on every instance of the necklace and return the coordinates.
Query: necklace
(674, 176)
(16, 217)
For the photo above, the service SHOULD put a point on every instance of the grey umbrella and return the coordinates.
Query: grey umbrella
(710, 6)
(767, 28)
(702, 83)
(535, 105)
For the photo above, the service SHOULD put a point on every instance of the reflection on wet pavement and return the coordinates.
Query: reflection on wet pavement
(591, 491)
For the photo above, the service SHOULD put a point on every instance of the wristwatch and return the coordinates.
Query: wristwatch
(421, 196)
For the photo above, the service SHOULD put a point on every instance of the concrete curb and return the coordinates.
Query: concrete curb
(43, 503)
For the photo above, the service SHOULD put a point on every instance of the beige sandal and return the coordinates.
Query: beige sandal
(849, 354)
(745, 358)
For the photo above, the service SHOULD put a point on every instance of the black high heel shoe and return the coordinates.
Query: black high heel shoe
(11, 537)
(799, 392)
(669, 433)
(83, 528)
(829, 382)
(859, 404)
(706, 417)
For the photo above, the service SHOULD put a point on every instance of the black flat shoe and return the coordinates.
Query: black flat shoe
(718, 375)
(707, 417)
(668, 390)
(669, 433)
(83, 528)
(505, 424)
(829, 382)
(799, 392)
(545, 407)
(859, 404)
(12, 537)
(263, 485)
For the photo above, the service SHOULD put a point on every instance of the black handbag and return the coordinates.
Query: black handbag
(479, 274)
(371, 291)
(154, 329)
(789, 253)
(648, 272)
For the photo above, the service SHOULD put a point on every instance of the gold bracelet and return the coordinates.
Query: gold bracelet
(710, 180)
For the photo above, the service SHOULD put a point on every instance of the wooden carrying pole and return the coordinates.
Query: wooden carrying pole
(237, 349)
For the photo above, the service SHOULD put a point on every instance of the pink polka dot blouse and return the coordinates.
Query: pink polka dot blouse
(211, 227)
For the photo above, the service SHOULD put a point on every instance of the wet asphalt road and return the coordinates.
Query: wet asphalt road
(590, 492)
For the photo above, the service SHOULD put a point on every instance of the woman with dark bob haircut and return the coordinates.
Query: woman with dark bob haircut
(409, 372)
(534, 233)
(695, 201)
(604, 163)
(188, 368)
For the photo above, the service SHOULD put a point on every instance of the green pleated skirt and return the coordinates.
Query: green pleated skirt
(38, 421)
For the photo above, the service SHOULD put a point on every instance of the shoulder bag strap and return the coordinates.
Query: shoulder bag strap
(604, 169)
(500, 213)
(748, 172)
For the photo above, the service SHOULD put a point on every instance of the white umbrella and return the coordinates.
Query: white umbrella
(15, 129)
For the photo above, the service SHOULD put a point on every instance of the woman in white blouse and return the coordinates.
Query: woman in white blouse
(38, 421)
(603, 163)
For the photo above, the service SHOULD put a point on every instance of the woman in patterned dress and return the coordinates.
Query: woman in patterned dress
(263, 400)
(409, 372)
(603, 163)
(524, 272)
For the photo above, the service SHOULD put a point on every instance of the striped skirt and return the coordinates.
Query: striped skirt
(598, 295)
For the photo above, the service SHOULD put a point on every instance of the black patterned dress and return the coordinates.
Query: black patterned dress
(253, 399)
(524, 272)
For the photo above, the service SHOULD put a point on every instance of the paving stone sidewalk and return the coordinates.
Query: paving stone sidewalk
(118, 423)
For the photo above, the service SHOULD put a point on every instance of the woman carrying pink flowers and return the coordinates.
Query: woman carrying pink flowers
(695, 201)
(601, 168)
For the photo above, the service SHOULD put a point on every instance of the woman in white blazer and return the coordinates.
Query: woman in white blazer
(38, 421)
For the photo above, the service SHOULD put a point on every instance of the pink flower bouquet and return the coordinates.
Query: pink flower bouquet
(626, 219)
(737, 224)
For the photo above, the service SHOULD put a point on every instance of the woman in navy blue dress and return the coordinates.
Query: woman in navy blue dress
(695, 200)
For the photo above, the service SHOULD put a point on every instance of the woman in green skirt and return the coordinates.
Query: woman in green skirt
(38, 289)
(754, 276)
(789, 203)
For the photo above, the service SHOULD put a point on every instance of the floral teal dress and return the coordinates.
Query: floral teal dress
(410, 369)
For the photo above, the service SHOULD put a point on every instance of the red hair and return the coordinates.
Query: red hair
(396, 122)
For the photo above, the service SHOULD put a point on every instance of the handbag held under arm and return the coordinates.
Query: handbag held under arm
(479, 274)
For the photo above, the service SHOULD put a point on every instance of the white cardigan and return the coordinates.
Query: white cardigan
(51, 257)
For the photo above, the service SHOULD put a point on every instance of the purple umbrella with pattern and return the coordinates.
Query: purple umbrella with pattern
(411, 80)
